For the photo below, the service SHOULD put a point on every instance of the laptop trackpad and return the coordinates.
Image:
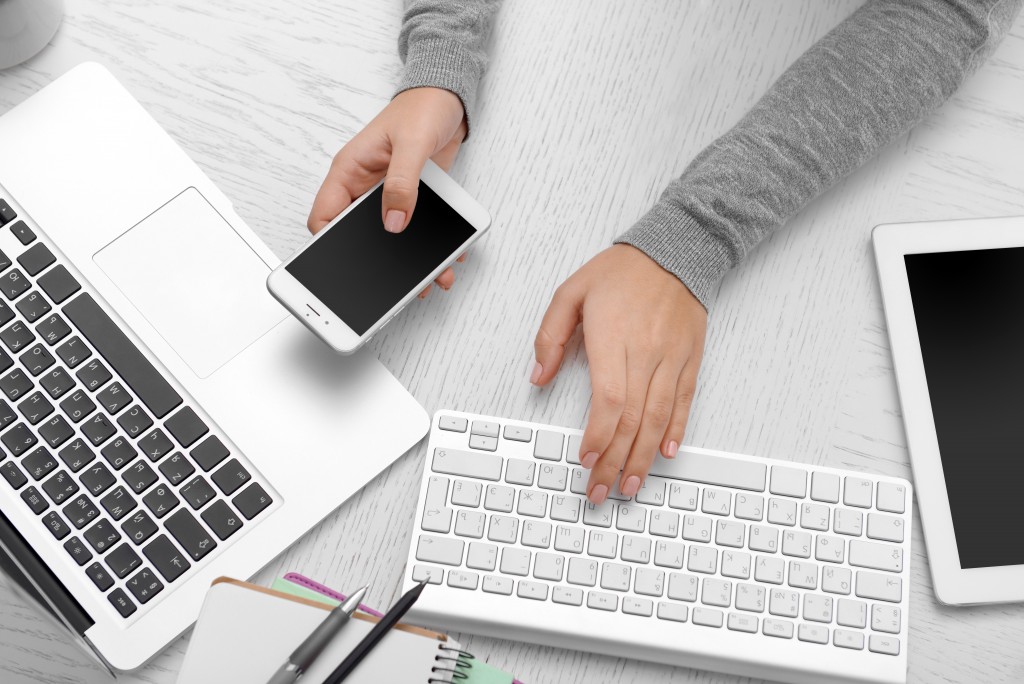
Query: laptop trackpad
(195, 280)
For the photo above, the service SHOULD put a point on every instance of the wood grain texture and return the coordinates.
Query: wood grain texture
(588, 109)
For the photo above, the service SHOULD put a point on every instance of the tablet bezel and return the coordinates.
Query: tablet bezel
(953, 585)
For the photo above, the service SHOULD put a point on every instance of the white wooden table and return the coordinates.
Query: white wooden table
(589, 108)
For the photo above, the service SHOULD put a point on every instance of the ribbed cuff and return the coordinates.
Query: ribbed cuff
(437, 63)
(680, 245)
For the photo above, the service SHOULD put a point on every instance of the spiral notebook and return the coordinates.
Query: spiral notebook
(245, 632)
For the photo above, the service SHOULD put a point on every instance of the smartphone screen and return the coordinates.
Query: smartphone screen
(360, 271)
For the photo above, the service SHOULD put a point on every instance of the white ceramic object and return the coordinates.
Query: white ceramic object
(26, 26)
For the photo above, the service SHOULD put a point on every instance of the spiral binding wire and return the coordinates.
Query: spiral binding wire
(456, 669)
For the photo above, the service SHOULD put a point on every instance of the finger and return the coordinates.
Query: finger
(402, 182)
(462, 258)
(657, 412)
(426, 291)
(639, 372)
(354, 170)
(557, 326)
(446, 279)
(685, 389)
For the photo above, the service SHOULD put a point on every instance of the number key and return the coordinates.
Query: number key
(81, 512)
(60, 487)
(39, 463)
(18, 439)
(102, 536)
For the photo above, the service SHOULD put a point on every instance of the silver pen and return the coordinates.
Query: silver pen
(303, 656)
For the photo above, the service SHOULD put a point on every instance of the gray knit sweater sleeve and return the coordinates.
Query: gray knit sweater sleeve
(861, 86)
(443, 44)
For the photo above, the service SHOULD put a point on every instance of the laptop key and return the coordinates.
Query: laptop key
(102, 536)
(59, 284)
(135, 421)
(6, 313)
(166, 558)
(192, 536)
(60, 487)
(222, 520)
(93, 375)
(139, 527)
(123, 560)
(78, 406)
(252, 501)
(76, 455)
(99, 576)
(97, 479)
(139, 477)
(39, 463)
(13, 284)
(156, 445)
(121, 353)
(81, 512)
(211, 452)
(35, 408)
(6, 213)
(19, 439)
(119, 453)
(231, 476)
(73, 352)
(161, 501)
(17, 336)
(53, 329)
(197, 492)
(113, 398)
(118, 503)
(13, 475)
(7, 415)
(186, 427)
(36, 258)
(23, 233)
(5, 361)
(98, 429)
(5, 262)
(78, 551)
(56, 431)
(57, 382)
(144, 585)
(56, 525)
(177, 468)
(34, 498)
(37, 359)
(121, 603)
(33, 307)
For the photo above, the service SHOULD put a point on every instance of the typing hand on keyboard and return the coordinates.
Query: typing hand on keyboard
(644, 335)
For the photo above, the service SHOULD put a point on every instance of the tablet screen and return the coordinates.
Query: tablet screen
(969, 308)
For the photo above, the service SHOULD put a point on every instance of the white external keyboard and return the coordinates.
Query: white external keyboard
(750, 566)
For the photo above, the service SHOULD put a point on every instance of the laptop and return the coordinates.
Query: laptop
(163, 421)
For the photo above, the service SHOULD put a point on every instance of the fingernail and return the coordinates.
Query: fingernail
(535, 373)
(673, 447)
(394, 221)
(589, 460)
(631, 486)
(599, 494)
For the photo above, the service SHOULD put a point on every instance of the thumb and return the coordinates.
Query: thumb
(558, 325)
(402, 184)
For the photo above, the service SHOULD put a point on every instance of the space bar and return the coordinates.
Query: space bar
(122, 355)
(715, 470)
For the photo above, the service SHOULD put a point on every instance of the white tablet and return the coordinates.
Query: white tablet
(954, 304)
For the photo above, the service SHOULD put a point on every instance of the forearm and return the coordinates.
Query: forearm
(443, 45)
(863, 85)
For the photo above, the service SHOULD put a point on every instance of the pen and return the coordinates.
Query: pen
(303, 656)
(376, 634)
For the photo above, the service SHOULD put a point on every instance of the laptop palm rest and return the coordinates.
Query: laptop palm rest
(195, 280)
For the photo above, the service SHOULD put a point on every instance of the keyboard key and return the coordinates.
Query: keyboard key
(165, 557)
(6, 313)
(252, 501)
(56, 525)
(519, 471)
(484, 428)
(885, 618)
(738, 622)
(844, 638)
(73, 352)
(857, 492)
(123, 560)
(113, 398)
(33, 307)
(53, 329)
(59, 284)
(481, 556)
(139, 527)
(669, 554)
(713, 470)
(815, 634)
(98, 429)
(15, 384)
(716, 501)
(78, 551)
(144, 585)
(76, 455)
(499, 498)
(433, 575)
(891, 497)
(161, 501)
(439, 550)
(553, 477)
(467, 464)
(884, 644)
(750, 597)
(548, 446)
(769, 570)
(36, 258)
(784, 603)
(18, 439)
(39, 463)
(34, 498)
(135, 421)
(13, 284)
(139, 477)
(483, 443)
(97, 479)
(7, 416)
(494, 584)
(452, 424)
(872, 585)
(210, 452)
(119, 453)
(60, 487)
(197, 492)
(156, 445)
(23, 233)
(599, 600)
(99, 576)
(6, 213)
(782, 512)
(222, 520)
(231, 476)
(56, 431)
(57, 382)
(192, 536)
(461, 579)
(186, 427)
(465, 493)
(676, 612)
(777, 628)
(836, 580)
(93, 375)
(796, 544)
(788, 481)
(516, 433)
(848, 521)
(652, 491)
(885, 527)
(35, 407)
(77, 406)
(876, 556)
(118, 503)
(534, 591)
(119, 599)
(709, 617)
(102, 536)
(177, 468)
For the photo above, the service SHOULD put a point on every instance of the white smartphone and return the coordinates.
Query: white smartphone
(353, 276)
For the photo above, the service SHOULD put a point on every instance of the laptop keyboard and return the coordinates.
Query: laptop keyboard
(123, 473)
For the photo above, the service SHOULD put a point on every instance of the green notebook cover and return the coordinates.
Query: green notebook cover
(479, 672)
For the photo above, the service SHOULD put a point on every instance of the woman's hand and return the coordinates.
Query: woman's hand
(419, 124)
(644, 336)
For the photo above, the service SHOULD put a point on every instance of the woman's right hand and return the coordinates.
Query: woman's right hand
(418, 124)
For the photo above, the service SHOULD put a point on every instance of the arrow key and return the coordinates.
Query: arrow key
(222, 520)
(166, 558)
(192, 536)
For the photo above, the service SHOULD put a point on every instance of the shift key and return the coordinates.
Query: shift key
(466, 464)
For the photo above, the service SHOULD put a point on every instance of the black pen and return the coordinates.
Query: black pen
(303, 656)
(376, 634)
